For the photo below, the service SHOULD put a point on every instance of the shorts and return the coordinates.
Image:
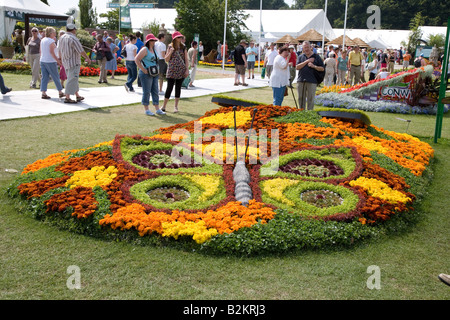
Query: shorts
(250, 65)
(162, 67)
(240, 69)
(405, 63)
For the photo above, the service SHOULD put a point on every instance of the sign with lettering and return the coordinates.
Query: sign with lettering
(397, 92)
(20, 16)
(131, 5)
(402, 91)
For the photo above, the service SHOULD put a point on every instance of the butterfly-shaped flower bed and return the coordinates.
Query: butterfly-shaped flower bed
(335, 182)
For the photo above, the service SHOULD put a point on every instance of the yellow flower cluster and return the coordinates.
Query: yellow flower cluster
(275, 189)
(209, 183)
(97, 176)
(370, 144)
(106, 143)
(333, 88)
(227, 119)
(198, 230)
(223, 151)
(379, 189)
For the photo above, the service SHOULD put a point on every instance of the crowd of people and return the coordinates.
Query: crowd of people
(151, 62)
(340, 67)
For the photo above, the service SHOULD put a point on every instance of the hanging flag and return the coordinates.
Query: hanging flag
(125, 19)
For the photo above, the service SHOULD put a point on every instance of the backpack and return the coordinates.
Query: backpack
(320, 75)
(417, 63)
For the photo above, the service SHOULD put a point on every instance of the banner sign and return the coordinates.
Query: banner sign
(113, 5)
(125, 19)
(400, 91)
(20, 16)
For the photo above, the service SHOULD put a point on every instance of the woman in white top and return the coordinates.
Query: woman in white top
(279, 78)
(200, 50)
(373, 67)
(49, 63)
(383, 74)
(131, 50)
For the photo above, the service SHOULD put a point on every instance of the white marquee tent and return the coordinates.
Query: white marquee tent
(276, 23)
(387, 39)
(9, 9)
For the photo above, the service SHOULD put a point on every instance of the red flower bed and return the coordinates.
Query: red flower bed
(92, 72)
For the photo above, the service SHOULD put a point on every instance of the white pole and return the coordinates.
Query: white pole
(323, 30)
(345, 24)
(259, 41)
(224, 36)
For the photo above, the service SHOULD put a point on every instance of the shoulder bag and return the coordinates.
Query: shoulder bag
(153, 71)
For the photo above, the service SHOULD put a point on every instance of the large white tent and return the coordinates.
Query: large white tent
(276, 23)
(292, 22)
(11, 9)
(387, 39)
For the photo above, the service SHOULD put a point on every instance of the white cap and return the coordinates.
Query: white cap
(71, 23)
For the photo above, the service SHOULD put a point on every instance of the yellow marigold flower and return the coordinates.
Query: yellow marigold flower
(380, 190)
(227, 119)
(198, 230)
(369, 144)
(97, 176)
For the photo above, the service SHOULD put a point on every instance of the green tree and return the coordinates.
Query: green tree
(152, 26)
(394, 14)
(437, 40)
(416, 33)
(112, 20)
(88, 14)
(206, 17)
(266, 4)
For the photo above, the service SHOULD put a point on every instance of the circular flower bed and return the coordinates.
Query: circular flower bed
(337, 182)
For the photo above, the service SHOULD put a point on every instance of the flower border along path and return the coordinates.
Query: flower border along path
(340, 181)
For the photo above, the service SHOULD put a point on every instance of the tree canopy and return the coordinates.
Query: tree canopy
(394, 14)
(206, 17)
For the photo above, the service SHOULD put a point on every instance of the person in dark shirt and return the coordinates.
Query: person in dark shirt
(307, 64)
(240, 62)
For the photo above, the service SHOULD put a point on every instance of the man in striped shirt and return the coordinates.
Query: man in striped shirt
(71, 50)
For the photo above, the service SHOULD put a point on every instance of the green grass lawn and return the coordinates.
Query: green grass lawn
(35, 256)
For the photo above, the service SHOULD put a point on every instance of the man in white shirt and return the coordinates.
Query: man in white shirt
(160, 49)
(269, 59)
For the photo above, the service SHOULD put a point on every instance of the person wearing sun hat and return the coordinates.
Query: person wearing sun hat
(147, 60)
(177, 68)
(70, 51)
